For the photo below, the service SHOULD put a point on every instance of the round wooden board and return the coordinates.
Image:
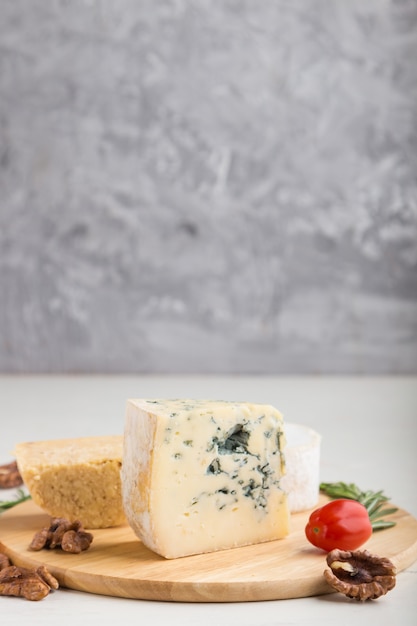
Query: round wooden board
(117, 563)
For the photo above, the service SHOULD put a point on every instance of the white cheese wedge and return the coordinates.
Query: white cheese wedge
(302, 465)
(200, 476)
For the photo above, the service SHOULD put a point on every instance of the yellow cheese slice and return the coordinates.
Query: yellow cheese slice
(75, 478)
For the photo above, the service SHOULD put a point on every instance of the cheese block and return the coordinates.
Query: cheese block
(302, 462)
(200, 476)
(75, 478)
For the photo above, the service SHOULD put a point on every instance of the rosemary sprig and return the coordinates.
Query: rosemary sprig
(20, 496)
(373, 501)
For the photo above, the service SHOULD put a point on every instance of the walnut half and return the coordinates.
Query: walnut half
(10, 476)
(359, 575)
(61, 533)
(32, 584)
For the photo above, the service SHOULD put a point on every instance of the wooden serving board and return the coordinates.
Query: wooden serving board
(118, 564)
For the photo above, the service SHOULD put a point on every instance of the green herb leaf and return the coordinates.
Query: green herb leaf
(373, 501)
(381, 524)
(20, 496)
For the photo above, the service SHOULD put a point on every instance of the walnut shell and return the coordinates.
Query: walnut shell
(359, 574)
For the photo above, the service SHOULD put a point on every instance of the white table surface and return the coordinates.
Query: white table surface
(369, 428)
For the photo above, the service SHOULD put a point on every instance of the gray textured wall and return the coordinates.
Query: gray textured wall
(208, 186)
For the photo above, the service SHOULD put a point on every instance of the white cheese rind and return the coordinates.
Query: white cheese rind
(200, 476)
(302, 467)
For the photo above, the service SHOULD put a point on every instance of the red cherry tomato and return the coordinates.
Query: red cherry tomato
(342, 524)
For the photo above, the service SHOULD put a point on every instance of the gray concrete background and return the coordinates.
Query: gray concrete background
(225, 186)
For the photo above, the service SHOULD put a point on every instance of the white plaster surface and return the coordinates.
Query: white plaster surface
(223, 186)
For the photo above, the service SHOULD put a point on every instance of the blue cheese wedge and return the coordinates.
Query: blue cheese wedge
(200, 476)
